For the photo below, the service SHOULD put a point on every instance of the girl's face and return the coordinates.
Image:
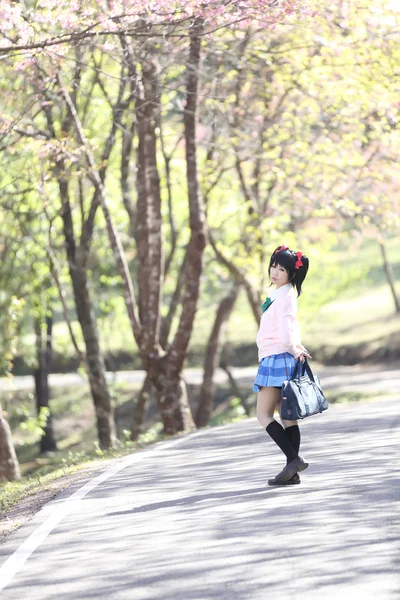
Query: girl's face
(279, 275)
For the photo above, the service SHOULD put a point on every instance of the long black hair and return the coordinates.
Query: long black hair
(288, 259)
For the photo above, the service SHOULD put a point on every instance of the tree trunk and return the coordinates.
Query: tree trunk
(41, 377)
(172, 397)
(173, 403)
(389, 275)
(78, 255)
(212, 357)
(77, 262)
(67, 316)
(94, 358)
(167, 321)
(240, 276)
(225, 360)
(9, 468)
(144, 395)
(149, 220)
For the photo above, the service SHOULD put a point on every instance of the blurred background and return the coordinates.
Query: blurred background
(187, 154)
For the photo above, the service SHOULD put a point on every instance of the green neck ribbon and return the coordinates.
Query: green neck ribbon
(266, 304)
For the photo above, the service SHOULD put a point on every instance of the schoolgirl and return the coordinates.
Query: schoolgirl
(279, 348)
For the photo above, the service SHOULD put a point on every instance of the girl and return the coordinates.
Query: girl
(279, 347)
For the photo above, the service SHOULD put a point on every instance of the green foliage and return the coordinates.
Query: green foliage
(9, 321)
(150, 436)
(34, 425)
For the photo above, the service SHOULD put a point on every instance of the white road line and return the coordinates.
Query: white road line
(14, 563)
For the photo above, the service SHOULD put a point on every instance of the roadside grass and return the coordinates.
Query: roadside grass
(13, 492)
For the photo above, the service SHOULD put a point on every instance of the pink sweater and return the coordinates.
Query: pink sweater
(279, 329)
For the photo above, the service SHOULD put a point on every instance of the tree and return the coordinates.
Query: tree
(45, 126)
(138, 72)
(303, 134)
(9, 468)
(43, 332)
(212, 357)
(307, 160)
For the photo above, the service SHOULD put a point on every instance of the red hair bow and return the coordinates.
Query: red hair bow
(299, 262)
(281, 248)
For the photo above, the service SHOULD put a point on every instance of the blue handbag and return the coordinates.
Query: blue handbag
(302, 396)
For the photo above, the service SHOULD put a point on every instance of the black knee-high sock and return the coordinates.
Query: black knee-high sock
(293, 435)
(277, 432)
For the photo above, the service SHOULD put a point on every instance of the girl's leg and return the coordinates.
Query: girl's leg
(292, 431)
(287, 424)
(267, 401)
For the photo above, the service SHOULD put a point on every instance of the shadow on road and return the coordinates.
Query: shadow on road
(197, 521)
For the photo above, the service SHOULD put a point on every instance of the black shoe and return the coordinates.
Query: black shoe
(298, 464)
(293, 481)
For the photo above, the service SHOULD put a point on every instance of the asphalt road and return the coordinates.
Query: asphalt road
(194, 519)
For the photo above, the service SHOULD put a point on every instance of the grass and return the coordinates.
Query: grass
(363, 320)
(362, 312)
(74, 420)
(13, 492)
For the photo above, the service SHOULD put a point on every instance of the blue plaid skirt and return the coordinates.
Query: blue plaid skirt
(274, 370)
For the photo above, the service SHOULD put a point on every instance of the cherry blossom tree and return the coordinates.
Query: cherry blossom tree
(58, 56)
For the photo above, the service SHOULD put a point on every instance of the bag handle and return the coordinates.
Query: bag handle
(299, 372)
(296, 372)
(308, 369)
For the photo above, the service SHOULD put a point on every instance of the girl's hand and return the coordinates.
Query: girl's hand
(303, 356)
